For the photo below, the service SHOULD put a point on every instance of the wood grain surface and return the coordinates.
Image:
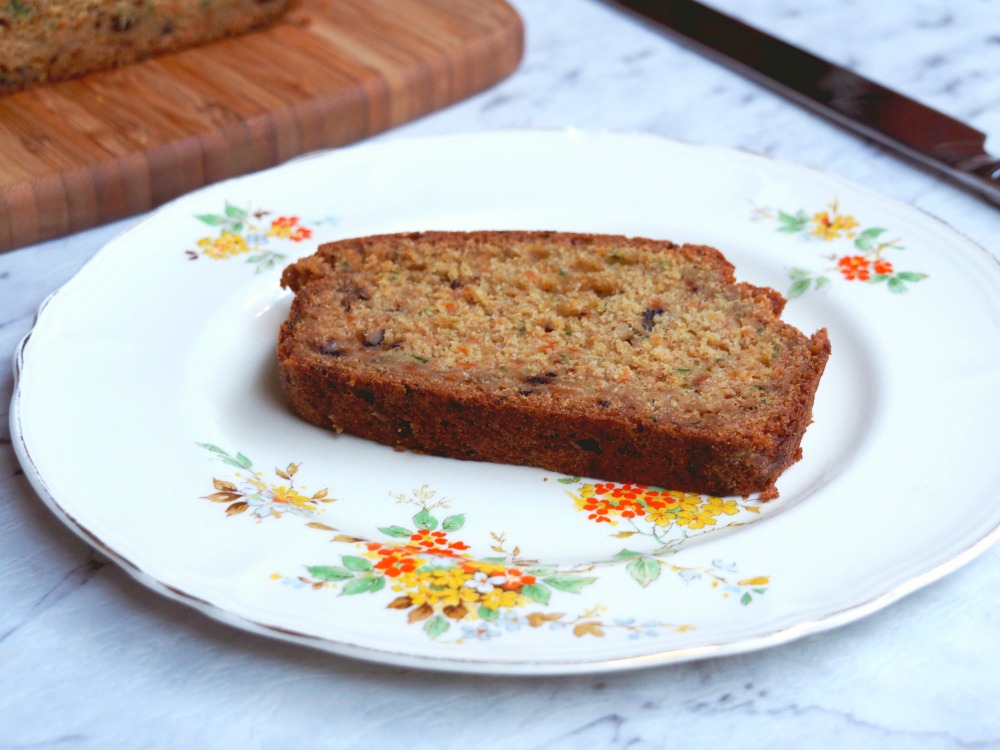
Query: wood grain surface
(80, 153)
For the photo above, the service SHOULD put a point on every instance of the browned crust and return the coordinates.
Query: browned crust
(402, 408)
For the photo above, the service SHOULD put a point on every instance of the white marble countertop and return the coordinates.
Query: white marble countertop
(91, 659)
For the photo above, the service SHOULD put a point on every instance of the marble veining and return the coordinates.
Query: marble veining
(91, 659)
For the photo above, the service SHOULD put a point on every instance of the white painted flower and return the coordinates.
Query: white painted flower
(484, 583)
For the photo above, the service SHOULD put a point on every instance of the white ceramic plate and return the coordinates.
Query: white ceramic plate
(148, 416)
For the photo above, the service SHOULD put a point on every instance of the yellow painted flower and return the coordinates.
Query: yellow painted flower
(580, 499)
(453, 578)
(716, 506)
(661, 516)
(438, 586)
(225, 245)
(686, 501)
(831, 227)
(502, 598)
(283, 494)
(758, 581)
(694, 520)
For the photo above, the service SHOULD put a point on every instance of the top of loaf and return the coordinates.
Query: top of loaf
(654, 330)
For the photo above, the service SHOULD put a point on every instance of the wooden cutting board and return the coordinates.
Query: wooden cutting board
(80, 153)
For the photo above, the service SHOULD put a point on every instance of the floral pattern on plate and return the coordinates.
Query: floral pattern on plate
(242, 231)
(864, 262)
(427, 569)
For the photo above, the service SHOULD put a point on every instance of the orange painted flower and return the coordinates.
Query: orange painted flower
(628, 491)
(882, 266)
(517, 580)
(599, 508)
(287, 228)
(394, 563)
(630, 509)
(435, 542)
(855, 267)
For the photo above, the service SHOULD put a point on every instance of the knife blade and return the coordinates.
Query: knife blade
(929, 137)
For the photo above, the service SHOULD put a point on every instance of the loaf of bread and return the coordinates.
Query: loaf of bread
(51, 40)
(621, 359)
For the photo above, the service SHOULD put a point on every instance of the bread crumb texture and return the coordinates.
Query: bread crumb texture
(624, 359)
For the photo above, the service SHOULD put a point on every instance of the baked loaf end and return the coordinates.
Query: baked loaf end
(621, 359)
(45, 40)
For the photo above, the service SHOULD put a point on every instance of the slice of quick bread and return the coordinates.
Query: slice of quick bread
(43, 41)
(608, 357)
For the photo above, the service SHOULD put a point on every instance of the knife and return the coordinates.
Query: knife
(931, 138)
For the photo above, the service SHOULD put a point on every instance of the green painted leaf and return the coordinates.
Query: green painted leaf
(232, 462)
(911, 276)
(378, 583)
(878, 278)
(424, 520)
(537, 592)
(235, 212)
(897, 285)
(329, 572)
(494, 559)
(453, 523)
(357, 564)
(213, 220)
(791, 223)
(627, 554)
(436, 625)
(236, 228)
(759, 591)
(360, 585)
(247, 463)
(799, 273)
(864, 240)
(568, 480)
(799, 288)
(644, 570)
(746, 599)
(541, 571)
(397, 532)
(572, 584)
(822, 282)
(490, 615)
(213, 448)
